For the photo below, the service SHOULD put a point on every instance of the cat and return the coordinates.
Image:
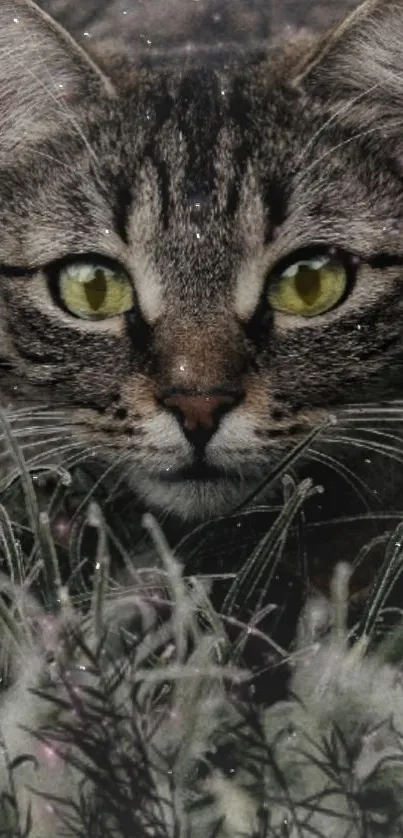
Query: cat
(201, 247)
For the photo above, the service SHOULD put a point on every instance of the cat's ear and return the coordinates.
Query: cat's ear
(43, 73)
(361, 60)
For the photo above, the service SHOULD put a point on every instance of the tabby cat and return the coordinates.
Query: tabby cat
(201, 249)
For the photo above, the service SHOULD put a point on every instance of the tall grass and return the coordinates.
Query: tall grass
(128, 708)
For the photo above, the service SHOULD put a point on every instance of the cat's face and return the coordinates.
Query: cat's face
(199, 262)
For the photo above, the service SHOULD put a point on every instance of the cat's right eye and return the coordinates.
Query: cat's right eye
(309, 286)
(93, 291)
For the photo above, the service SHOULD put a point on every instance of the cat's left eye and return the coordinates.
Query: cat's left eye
(94, 291)
(309, 287)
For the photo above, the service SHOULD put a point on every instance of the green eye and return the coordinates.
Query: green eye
(95, 292)
(309, 287)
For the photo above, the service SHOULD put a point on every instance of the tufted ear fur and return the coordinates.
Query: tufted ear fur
(42, 73)
(361, 63)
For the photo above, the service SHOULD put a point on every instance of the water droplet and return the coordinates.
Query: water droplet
(94, 516)
(198, 236)
(87, 35)
(16, 20)
(125, 12)
(66, 478)
(107, 231)
(61, 529)
(359, 327)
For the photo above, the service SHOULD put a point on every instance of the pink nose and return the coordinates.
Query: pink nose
(200, 411)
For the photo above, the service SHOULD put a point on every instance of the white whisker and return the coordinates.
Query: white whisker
(108, 470)
(359, 135)
(361, 489)
(377, 447)
(342, 111)
(374, 432)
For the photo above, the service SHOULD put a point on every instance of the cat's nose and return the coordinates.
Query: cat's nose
(200, 414)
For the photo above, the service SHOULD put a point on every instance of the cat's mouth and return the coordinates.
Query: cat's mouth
(199, 472)
(197, 491)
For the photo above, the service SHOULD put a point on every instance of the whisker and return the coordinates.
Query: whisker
(371, 410)
(374, 432)
(66, 113)
(351, 519)
(368, 445)
(333, 118)
(40, 412)
(359, 135)
(40, 435)
(389, 418)
(108, 469)
(34, 462)
(361, 489)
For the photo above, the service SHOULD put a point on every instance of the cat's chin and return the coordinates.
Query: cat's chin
(192, 500)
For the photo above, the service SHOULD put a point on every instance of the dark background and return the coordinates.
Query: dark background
(172, 21)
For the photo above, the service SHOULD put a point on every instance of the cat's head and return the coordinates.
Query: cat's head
(199, 262)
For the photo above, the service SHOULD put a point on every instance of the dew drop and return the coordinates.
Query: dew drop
(66, 478)
(61, 529)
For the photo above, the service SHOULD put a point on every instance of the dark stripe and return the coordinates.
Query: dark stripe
(122, 210)
(199, 120)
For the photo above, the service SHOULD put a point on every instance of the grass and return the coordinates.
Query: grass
(129, 708)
